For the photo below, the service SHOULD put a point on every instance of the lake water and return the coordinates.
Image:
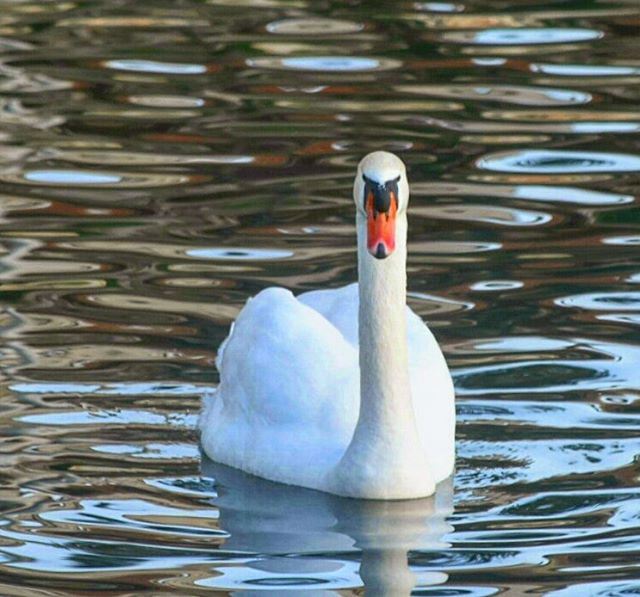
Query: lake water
(163, 161)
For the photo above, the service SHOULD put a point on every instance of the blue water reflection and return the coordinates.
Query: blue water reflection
(325, 63)
(560, 161)
(525, 36)
(153, 66)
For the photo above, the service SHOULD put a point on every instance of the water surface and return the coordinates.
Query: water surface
(162, 162)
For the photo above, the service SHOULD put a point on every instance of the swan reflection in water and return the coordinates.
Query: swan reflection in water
(306, 540)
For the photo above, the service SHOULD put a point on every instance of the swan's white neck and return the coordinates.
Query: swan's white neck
(385, 458)
(385, 394)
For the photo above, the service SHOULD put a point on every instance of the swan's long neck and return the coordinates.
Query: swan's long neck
(385, 458)
(385, 393)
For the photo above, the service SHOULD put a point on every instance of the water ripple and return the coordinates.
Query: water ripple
(545, 193)
(485, 213)
(315, 26)
(153, 66)
(523, 36)
(326, 64)
(603, 301)
(520, 95)
(559, 161)
(585, 70)
(239, 254)
(83, 178)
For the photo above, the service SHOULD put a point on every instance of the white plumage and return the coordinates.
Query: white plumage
(289, 396)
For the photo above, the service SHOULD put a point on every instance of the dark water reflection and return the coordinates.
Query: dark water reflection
(162, 162)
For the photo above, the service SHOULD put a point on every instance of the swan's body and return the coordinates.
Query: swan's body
(345, 390)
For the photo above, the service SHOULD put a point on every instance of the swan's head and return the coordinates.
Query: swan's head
(381, 192)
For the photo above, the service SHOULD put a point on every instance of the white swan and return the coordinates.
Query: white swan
(344, 391)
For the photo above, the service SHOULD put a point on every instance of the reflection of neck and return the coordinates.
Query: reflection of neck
(385, 458)
(386, 572)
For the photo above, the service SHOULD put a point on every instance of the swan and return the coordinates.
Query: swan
(342, 390)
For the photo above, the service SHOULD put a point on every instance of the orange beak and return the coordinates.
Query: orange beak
(381, 227)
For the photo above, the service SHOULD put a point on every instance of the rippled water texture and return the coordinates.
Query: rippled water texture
(163, 161)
